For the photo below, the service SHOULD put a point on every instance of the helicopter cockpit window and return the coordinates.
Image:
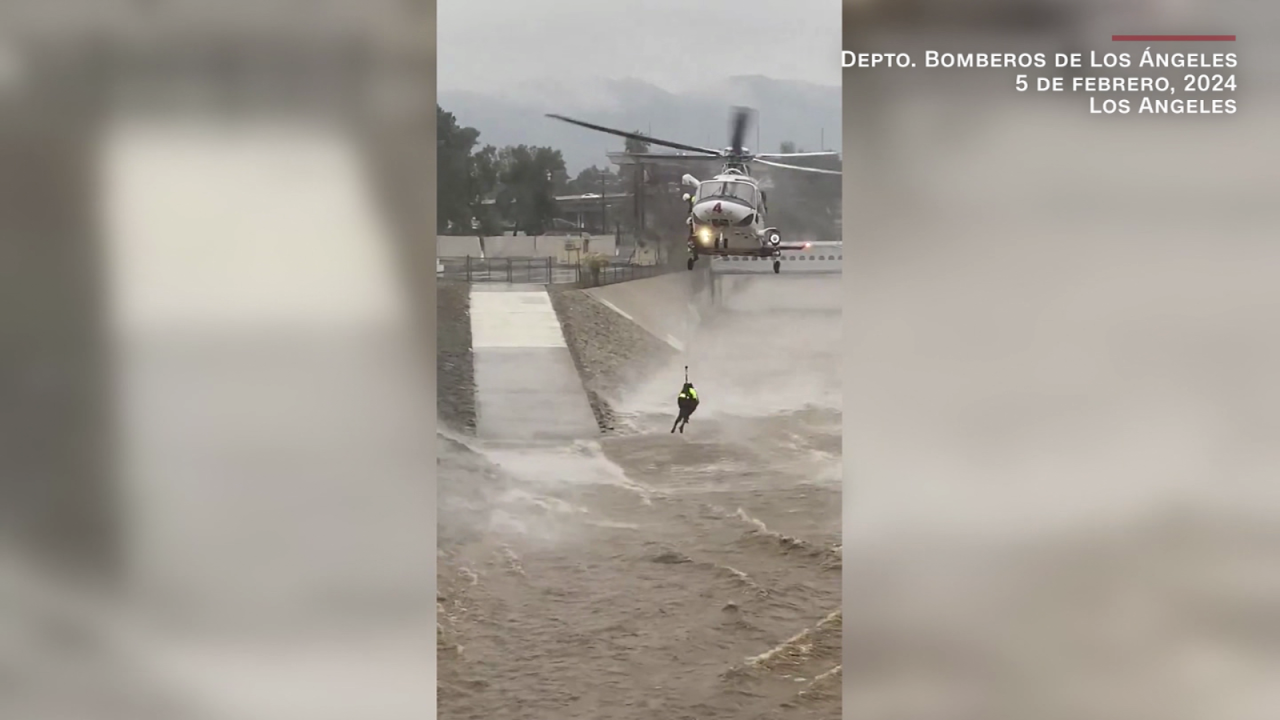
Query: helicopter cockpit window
(740, 191)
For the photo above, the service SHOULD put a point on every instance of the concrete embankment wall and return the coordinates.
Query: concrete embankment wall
(671, 307)
(622, 334)
(668, 306)
(455, 370)
(610, 350)
(614, 336)
(723, 322)
(617, 336)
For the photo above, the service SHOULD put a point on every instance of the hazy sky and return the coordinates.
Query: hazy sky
(492, 45)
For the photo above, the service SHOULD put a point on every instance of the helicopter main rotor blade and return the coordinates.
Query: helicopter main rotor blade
(826, 153)
(672, 156)
(797, 167)
(738, 129)
(636, 136)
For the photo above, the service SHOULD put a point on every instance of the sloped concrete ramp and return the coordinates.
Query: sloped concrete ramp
(669, 306)
(527, 387)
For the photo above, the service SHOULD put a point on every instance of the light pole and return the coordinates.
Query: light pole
(551, 191)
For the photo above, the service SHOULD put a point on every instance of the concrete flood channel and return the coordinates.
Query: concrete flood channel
(592, 564)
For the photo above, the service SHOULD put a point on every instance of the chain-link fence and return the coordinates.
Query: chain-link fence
(544, 271)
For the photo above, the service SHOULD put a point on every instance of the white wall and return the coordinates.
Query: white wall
(522, 246)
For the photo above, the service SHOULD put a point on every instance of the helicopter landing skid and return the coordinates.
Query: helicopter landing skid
(766, 252)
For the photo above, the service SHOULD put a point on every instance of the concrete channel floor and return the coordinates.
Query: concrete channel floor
(527, 386)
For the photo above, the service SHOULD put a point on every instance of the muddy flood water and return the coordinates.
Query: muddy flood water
(649, 574)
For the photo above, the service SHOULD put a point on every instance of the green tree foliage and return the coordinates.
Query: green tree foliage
(636, 146)
(528, 178)
(454, 144)
(522, 181)
(594, 180)
(485, 170)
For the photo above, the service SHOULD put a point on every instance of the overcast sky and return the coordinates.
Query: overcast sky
(491, 46)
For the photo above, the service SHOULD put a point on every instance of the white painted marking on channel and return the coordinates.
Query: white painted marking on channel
(616, 309)
(673, 342)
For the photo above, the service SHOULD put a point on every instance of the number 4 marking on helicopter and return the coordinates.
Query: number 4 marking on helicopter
(716, 209)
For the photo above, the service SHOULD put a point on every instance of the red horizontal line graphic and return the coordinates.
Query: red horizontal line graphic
(1173, 38)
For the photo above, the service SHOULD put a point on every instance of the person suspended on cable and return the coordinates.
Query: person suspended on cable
(687, 401)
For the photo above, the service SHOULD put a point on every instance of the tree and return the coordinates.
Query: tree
(560, 178)
(528, 177)
(787, 147)
(636, 146)
(593, 180)
(484, 173)
(521, 181)
(454, 144)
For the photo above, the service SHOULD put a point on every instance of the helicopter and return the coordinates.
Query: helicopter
(727, 212)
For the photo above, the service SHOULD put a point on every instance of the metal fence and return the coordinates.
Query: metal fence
(533, 271)
(544, 271)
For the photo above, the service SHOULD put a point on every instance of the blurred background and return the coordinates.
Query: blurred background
(1062, 407)
(216, 492)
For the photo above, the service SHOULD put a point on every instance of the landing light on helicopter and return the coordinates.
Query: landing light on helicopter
(704, 234)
